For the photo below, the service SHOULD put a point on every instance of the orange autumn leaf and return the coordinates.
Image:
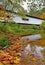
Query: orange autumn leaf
(10, 57)
(3, 54)
(1, 58)
(17, 46)
(11, 52)
(6, 58)
(6, 62)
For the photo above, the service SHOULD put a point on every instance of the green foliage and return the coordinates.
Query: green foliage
(1, 25)
(19, 29)
(43, 24)
(38, 13)
(4, 41)
(43, 9)
(42, 35)
(22, 13)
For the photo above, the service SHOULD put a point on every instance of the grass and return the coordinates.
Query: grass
(14, 29)
(18, 29)
(4, 41)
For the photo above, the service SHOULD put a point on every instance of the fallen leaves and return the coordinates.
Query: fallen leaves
(16, 60)
(18, 54)
(34, 59)
(1, 57)
(6, 62)
(3, 54)
(11, 54)
(10, 57)
(1, 63)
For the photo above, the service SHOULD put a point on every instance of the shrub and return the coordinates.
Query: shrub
(4, 42)
(43, 24)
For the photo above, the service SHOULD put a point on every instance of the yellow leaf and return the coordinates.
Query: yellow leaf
(16, 60)
(1, 63)
(34, 59)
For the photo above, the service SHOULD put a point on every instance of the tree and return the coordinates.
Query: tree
(16, 7)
